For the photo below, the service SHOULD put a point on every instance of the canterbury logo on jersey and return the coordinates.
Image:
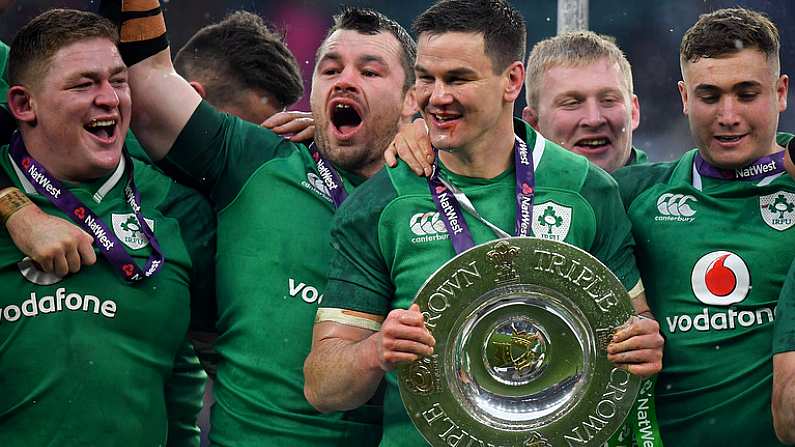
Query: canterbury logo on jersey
(60, 301)
(316, 184)
(675, 208)
(720, 278)
(308, 294)
(427, 226)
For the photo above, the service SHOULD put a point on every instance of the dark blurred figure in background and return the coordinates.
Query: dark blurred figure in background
(241, 67)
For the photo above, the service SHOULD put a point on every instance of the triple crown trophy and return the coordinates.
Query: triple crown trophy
(521, 327)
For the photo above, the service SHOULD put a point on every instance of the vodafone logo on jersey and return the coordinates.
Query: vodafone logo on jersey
(720, 278)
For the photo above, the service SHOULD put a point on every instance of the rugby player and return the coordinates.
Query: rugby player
(712, 224)
(274, 201)
(469, 72)
(89, 359)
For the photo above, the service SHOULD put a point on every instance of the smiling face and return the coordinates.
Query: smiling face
(460, 96)
(733, 103)
(75, 117)
(588, 109)
(357, 98)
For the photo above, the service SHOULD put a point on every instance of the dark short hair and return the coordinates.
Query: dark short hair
(238, 53)
(728, 31)
(370, 22)
(503, 27)
(37, 42)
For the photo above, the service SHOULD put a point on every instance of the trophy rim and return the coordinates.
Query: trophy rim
(516, 413)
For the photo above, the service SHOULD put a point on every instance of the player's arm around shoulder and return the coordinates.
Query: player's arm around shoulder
(349, 357)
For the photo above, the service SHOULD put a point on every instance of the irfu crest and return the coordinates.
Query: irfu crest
(778, 210)
(551, 221)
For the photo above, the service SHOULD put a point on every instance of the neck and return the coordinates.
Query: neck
(369, 170)
(486, 157)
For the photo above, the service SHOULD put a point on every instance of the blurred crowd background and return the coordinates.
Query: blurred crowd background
(648, 31)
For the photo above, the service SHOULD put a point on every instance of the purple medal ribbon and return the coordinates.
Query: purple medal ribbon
(450, 209)
(330, 177)
(104, 239)
(761, 168)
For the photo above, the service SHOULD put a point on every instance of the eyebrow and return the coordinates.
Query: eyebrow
(364, 59)
(455, 72)
(709, 88)
(95, 74)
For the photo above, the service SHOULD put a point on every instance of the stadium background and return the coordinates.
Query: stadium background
(648, 31)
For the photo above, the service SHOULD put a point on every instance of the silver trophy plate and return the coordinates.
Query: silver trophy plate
(521, 328)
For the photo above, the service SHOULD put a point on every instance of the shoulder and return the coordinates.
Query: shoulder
(636, 179)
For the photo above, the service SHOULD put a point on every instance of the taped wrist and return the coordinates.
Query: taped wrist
(142, 28)
(11, 201)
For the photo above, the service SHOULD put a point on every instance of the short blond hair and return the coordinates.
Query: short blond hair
(574, 48)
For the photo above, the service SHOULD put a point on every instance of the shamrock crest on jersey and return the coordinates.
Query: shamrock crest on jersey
(778, 210)
(128, 230)
(552, 222)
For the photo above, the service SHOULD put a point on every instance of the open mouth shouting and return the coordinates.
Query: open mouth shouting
(346, 118)
(104, 130)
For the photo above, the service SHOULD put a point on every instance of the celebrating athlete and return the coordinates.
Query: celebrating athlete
(713, 230)
(274, 202)
(469, 72)
(89, 359)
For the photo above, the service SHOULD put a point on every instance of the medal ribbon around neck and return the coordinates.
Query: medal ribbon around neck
(104, 239)
(329, 176)
(448, 200)
(760, 168)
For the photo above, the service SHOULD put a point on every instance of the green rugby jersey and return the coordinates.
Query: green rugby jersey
(784, 329)
(274, 215)
(710, 258)
(637, 157)
(90, 360)
(390, 238)
(3, 72)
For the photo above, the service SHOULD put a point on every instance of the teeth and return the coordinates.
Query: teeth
(342, 106)
(444, 118)
(732, 138)
(594, 142)
(101, 123)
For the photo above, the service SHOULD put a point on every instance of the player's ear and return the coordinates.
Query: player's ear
(410, 107)
(514, 75)
(634, 112)
(199, 88)
(683, 93)
(22, 105)
(530, 115)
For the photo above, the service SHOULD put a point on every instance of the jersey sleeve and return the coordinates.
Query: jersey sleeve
(216, 153)
(359, 279)
(634, 180)
(184, 392)
(197, 227)
(613, 243)
(784, 329)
